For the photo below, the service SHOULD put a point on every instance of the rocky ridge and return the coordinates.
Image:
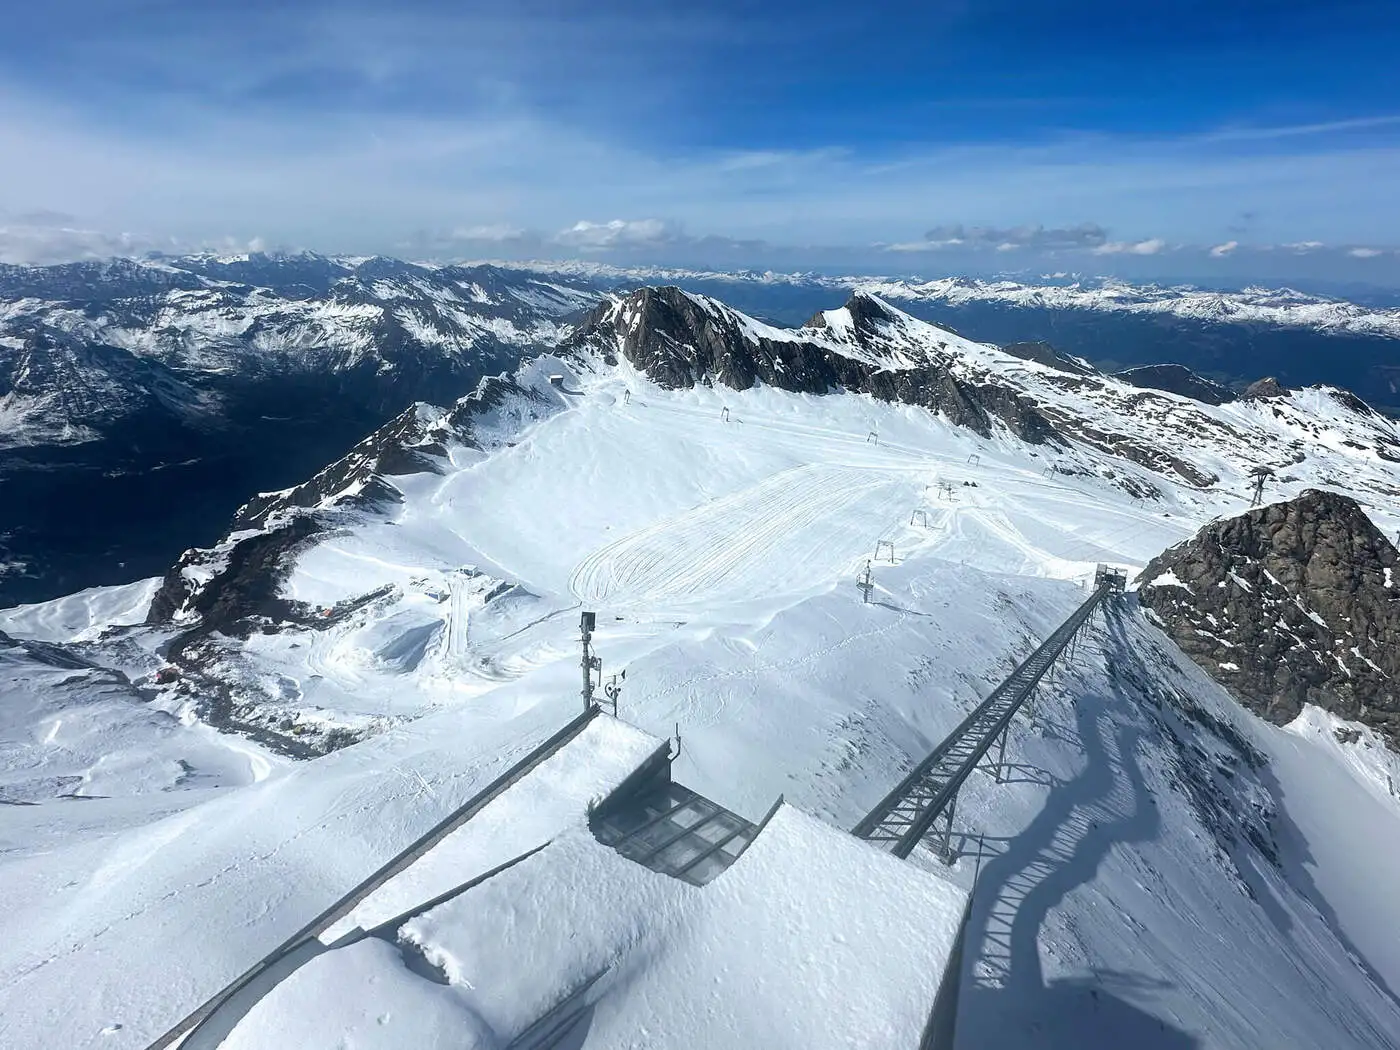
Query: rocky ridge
(1292, 603)
(867, 346)
(679, 340)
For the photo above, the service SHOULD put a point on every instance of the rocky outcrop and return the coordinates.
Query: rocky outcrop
(1293, 603)
(244, 586)
(1178, 379)
(1043, 353)
(1262, 388)
(681, 340)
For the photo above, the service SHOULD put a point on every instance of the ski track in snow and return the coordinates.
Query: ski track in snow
(805, 524)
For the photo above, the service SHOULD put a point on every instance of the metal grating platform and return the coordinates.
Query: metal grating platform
(673, 830)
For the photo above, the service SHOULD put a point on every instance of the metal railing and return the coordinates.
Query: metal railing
(929, 793)
(299, 944)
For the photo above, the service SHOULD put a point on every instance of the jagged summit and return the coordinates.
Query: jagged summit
(679, 339)
(1264, 388)
(863, 310)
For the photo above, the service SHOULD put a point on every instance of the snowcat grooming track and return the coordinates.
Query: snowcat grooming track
(907, 814)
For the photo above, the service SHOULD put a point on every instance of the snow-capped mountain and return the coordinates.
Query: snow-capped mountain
(404, 330)
(1229, 336)
(215, 376)
(1282, 307)
(123, 381)
(1191, 458)
(1160, 868)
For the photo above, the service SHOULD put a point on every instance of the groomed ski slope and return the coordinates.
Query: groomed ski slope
(1117, 905)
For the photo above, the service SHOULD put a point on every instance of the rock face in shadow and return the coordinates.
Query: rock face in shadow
(1262, 388)
(681, 340)
(1293, 603)
(1178, 379)
(1043, 353)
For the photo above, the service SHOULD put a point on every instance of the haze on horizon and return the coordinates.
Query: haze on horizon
(1213, 141)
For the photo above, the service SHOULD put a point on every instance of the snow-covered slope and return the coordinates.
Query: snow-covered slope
(1157, 871)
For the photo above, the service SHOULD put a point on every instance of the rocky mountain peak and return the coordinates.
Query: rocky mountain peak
(866, 312)
(1267, 387)
(1292, 603)
(681, 340)
(1178, 379)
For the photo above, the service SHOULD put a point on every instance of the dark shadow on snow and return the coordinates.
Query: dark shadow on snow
(1006, 1000)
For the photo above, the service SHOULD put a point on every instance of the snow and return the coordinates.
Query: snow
(1282, 307)
(83, 615)
(1342, 802)
(247, 867)
(1120, 894)
(679, 960)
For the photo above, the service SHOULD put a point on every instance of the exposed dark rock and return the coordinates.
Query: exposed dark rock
(243, 587)
(680, 340)
(1178, 379)
(1043, 353)
(412, 442)
(1269, 387)
(1293, 603)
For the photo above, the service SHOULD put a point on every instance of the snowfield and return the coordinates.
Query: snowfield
(1161, 869)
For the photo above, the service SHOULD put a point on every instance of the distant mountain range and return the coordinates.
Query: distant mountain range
(156, 396)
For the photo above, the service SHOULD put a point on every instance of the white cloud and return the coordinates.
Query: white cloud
(514, 186)
(1222, 250)
(43, 243)
(1006, 239)
(499, 232)
(617, 233)
(1153, 246)
(1365, 253)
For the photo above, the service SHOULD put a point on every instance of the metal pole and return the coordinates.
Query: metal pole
(1001, 752)
(586, 624)
(946, 849)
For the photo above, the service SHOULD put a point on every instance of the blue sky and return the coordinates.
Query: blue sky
(1216, 140)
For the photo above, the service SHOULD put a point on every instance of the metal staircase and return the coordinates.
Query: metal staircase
(928, 795)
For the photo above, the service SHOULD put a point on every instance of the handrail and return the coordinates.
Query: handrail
(396, 864)
(1013, 693)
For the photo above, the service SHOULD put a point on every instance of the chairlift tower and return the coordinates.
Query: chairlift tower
(1260, 476)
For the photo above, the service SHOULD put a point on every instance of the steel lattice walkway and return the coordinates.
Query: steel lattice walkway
(928, 795)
